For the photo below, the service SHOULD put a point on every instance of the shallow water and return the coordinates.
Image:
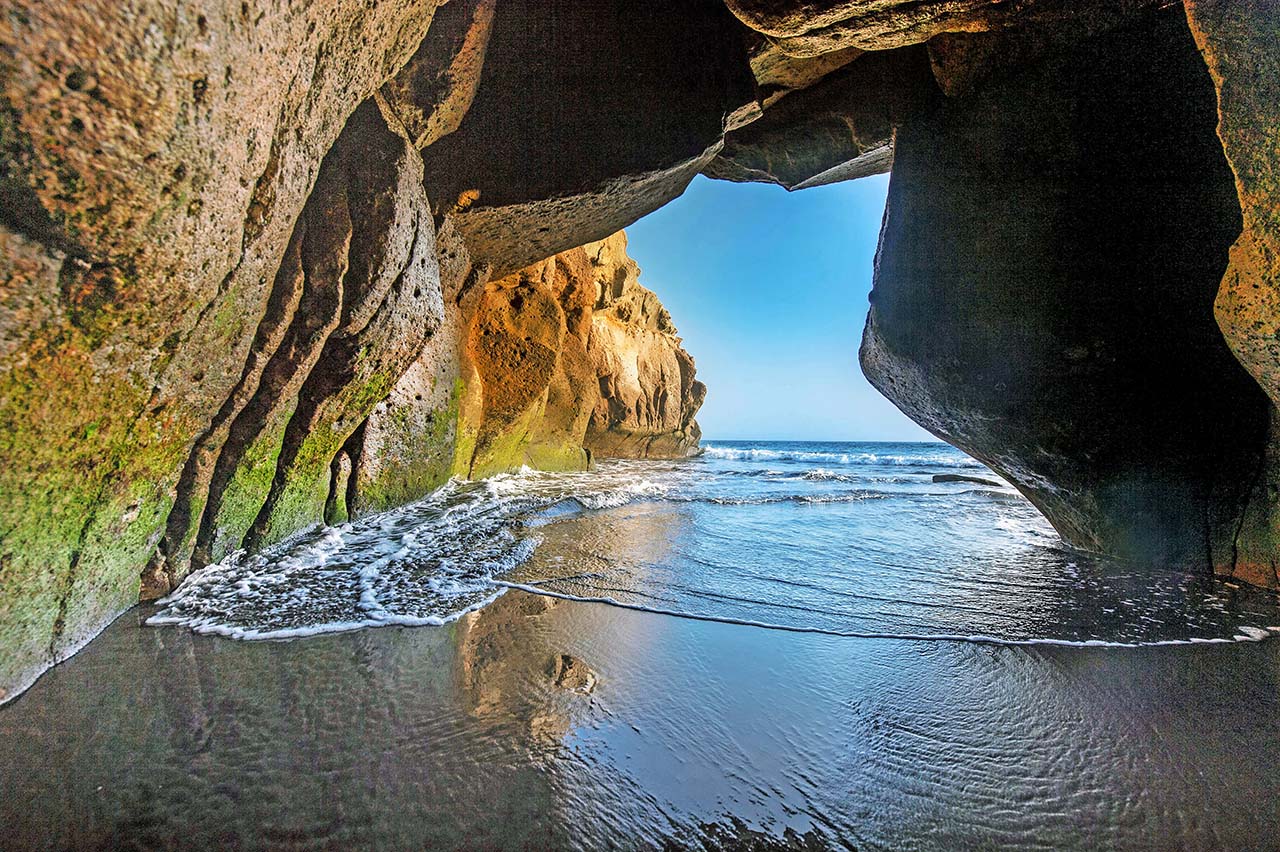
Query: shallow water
(848, 539)
(694, 734)
(1037, 709)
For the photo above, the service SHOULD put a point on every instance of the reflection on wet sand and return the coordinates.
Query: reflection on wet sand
(541, 723)
(507, 666)
(482, 735)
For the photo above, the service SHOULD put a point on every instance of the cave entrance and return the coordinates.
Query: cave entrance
(769, 290)
(1052, 245)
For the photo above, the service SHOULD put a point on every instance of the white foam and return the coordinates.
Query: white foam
(940, 459)
(452, 552)
(212, 627)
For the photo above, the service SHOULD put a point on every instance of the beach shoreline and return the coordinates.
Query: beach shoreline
(537, 721)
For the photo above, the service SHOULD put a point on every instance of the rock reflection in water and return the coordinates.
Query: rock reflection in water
(479, 735)
(155, 737)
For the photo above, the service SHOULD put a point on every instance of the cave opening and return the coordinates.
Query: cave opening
(1050, 253)
(768, 290)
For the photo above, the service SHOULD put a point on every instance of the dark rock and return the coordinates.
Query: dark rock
(431, 95)
(957, 477)
(1062, 330)
(1241, 44)
(840, 128)
(576, 130)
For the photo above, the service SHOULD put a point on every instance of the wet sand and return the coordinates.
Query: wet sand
(537, 723)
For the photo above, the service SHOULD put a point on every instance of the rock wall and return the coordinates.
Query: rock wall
(1240, 42)
(1063, 330)
(267, 264)
(571, 359)
(154, 160)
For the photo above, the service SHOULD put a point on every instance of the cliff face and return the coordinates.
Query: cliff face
(264, 265)
(571, 358)
(647, 395)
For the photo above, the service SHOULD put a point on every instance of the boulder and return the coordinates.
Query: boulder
(957, 477)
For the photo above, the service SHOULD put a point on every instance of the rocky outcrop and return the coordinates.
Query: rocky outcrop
(267, 264)
(571, 359)
(647, 395)
(1062, 331)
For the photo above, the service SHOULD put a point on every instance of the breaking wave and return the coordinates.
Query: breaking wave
(916, 460)
(844, 540)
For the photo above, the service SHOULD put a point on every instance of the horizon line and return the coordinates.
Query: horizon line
(835, 440)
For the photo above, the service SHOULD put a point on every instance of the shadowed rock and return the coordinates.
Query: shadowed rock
(1241, 44)
(585, 120)
(1040, 302)
(957, 477)
(840, 128)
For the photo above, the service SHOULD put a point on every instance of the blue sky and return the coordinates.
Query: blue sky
(769, 291)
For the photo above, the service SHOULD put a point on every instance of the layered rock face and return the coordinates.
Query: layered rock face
(265, 265)
(571, 358)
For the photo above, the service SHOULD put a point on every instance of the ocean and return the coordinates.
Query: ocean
(850, 539)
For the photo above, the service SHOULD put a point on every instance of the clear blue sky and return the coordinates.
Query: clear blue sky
(769, 291)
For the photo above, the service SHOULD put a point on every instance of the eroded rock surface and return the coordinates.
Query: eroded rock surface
(1038, 301)
(153, 161)
(587, 119)
(572, 358)
(648, 395)
(1241, 44)
(839, 128)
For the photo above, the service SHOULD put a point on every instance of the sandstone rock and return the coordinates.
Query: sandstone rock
(961, 60)
(807, 29)
(647, 393)
(777, 73)
(157, 158)
(802, 28)
(356, 295)
(567, 145)
(406, 447)
(838, 129)
(1062, 329)
(1241, 44)
(571, 358)
(432, 93)
(512, 351)
(570, 673)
